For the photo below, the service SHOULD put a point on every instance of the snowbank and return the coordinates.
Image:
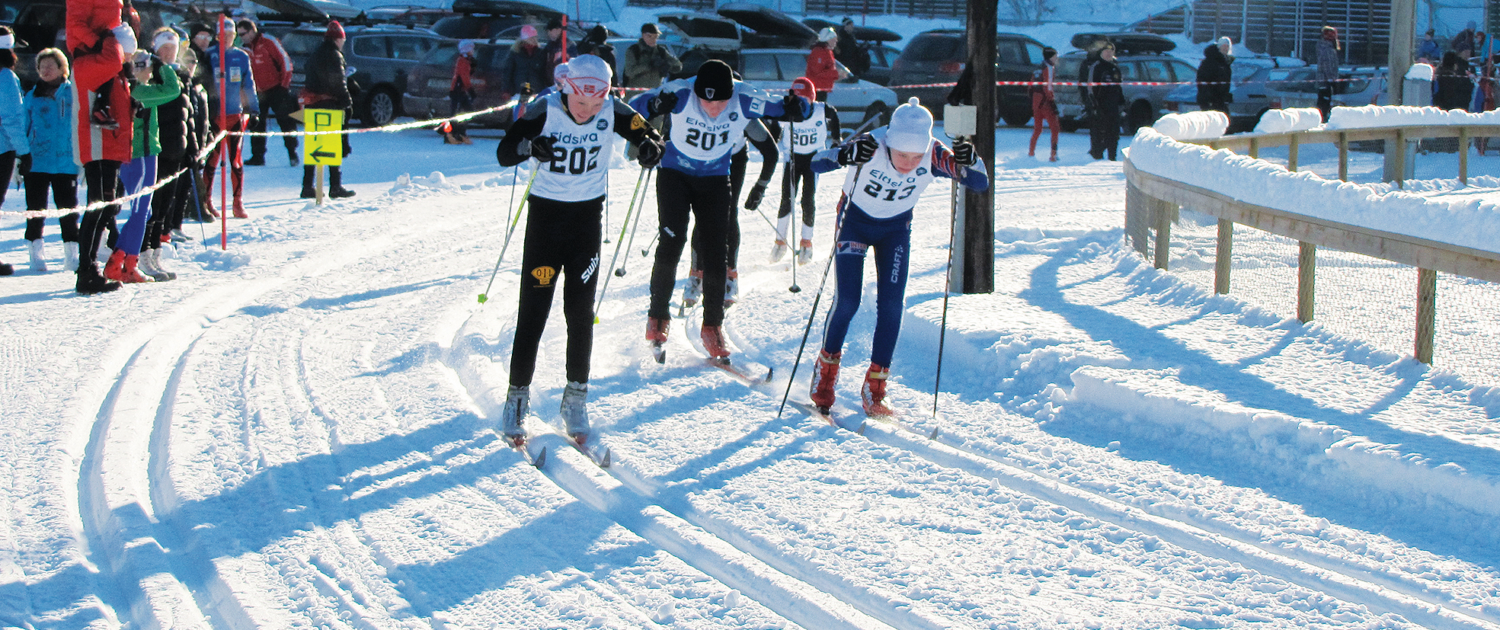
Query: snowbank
(1193, 125)
(1399, 116)
(1419, 72)
(1467, 223)
(1284, 120)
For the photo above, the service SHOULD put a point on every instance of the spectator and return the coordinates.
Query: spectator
(1464, 40)
(272, 69)
(1214, 76)
(100, 36)
(48, 106)
(201, 126)
(1328, 69)
(238, 100)
(1454, 85)
(99, 40)
(647, 64)
(596, 43)
(554, 52)
(849, 52)
(822, 68)
(1044, 101)
(13, 139)
(155, 85)
(1428, 50)
(171, 133)
(327, 88)
(1108, 98)
(521, 72)
(461, 93)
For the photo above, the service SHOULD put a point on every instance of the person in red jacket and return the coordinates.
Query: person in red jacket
(100, 37)
(821, 67)
(272, 70)
(1044, 100)
(461, 93)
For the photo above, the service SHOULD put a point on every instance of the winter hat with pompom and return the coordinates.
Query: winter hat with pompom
(335, 30)
(466, 47)
(828, 34)
(910, 129)
(588, 75)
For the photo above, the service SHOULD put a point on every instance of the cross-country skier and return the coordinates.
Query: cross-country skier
(756, 134)
(894, 165)
(802, 141)
(707, 114)
(571, 135)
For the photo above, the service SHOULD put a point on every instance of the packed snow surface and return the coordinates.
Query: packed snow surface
(299, 433)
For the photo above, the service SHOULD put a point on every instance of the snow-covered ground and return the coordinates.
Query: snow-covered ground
(299, 434)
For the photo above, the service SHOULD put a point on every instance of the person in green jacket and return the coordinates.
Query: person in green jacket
(154, 85)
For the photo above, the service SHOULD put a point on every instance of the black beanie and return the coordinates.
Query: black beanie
(198, 27)
(715, 81)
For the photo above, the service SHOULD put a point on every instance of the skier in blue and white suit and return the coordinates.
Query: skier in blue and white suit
(708, 114)
(894, 165)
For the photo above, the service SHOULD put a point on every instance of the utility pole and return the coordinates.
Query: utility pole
(1403, 33)
(979, 207)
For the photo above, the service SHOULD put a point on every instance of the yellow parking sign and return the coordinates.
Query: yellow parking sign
(325, 149)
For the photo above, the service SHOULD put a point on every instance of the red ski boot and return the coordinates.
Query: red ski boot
(713, 343)
(114, 269)
(656, 333)
(825, 376)
(872, 395)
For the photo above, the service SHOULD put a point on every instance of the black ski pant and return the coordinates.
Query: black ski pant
(162, 202)
(281, 101)
(1325, 99)
(64, 189)
(102, 180)
(706, 198)
(562, 246)
(798, 175)
(737, 164)
(1107, 131)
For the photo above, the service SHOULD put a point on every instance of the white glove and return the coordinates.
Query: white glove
(126, 37)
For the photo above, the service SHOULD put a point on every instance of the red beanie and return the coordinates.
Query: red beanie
(803, 87)
(335, 30)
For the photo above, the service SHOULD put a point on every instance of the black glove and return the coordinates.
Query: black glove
(663, 104)
(963, 152)
(24, 166)
(539, 147)
(648, 153)
(858, 152)
(752, 201)
(792, 104)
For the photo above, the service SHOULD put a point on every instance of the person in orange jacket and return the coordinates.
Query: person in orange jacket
(821, 66)
(461, 93)
(99, 36)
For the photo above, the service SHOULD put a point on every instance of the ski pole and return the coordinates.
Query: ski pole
(634, 226)
(606, 216)
(947, 288)
(623, 226)
(837, 225)
(792, 229)
(647, 250)
(484, 297)
(198, 206)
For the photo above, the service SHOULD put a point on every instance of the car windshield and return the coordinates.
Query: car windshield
(301, 44)
(934, 47)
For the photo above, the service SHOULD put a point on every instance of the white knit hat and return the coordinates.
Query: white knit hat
(828, 34)
(588, 75)
(1229, 43)
(910, 129)
(466, 47)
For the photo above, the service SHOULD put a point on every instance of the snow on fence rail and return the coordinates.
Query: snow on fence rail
(1461, 238)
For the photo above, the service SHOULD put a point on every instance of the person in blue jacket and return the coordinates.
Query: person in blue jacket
(49, 129)
(708, 114)
(894, 164)
(12, 125)
(239, 102)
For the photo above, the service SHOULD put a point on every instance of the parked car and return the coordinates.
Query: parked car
(1142, 58)
(428, 82)
(773, 70)
(881, 58)
(410, 16)
(939, 57)
(1278, 88)
(874, 41)
(486, 19)
(381, 57)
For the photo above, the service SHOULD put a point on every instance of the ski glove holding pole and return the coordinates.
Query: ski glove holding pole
(539, 148)
(757, 192)
(862, 150)
(649, 153)
(662, 104)
(963, 153)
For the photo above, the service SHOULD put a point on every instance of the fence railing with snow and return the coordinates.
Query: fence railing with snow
(1185, 161)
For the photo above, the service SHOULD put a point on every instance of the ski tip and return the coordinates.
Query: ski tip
(934, 434)
(541, 458)
(604, 461)
(861, 429)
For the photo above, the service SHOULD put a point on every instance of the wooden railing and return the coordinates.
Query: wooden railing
(1152, 202)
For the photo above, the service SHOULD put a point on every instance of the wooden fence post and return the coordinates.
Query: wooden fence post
(1343, 156)
(1463, 156)
(1255, 148)
(1291, 153)
(1223, 256)
(1400, 157)
(1307, 270)
(1426, 313)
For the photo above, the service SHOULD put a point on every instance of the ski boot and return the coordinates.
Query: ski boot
(6, 269)
(575, 411)
(38, 264)
(656, 333)
(804, 252)
(70, 256)
(694, 290)
(517, 405)
(151, 266)
(713, 343)
(239, 210)
(291, 156)
(824, 378)
(90, 282)
(872, 394)
(778, 250)
(731, 287)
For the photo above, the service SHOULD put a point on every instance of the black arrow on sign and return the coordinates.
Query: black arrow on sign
(320, 154)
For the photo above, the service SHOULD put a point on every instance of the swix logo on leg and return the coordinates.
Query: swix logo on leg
(593, 266)
(851, 247)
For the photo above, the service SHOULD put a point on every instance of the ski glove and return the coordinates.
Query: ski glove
(793, 105)
(648, 153)
(539, 147)
(963, 152)
(663, 104)
(126, 37)
(861, 150)
(757, 192)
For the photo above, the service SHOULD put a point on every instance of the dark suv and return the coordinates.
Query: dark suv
(381, 57)
(39, 23)
(939, 57)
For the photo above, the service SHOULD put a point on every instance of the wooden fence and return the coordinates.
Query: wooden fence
(1152, 202)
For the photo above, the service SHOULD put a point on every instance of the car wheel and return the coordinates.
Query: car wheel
(1138, 116)
(381, 108)
(877, 110)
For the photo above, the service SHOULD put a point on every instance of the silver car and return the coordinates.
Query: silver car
(773, 70)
